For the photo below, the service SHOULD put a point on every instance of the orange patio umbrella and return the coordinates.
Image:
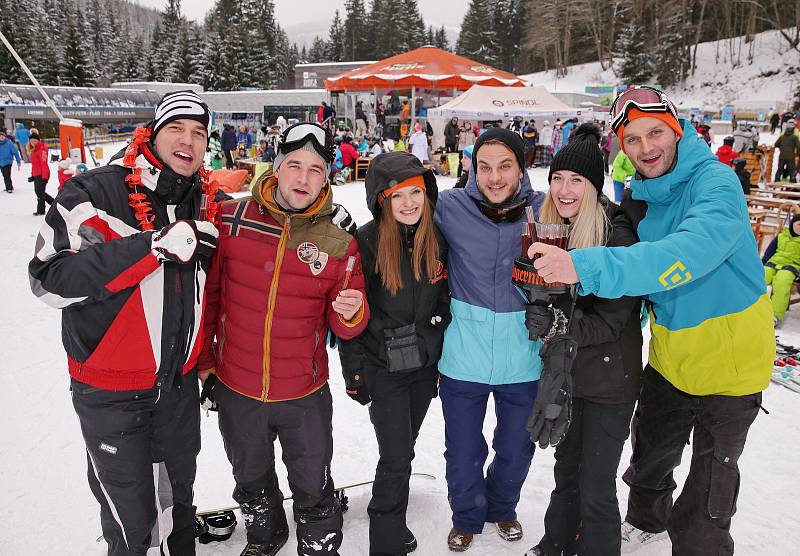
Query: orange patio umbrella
(427, 67)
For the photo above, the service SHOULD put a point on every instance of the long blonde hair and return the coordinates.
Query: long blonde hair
(590, 227)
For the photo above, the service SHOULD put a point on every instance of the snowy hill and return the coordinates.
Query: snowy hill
(757, 75)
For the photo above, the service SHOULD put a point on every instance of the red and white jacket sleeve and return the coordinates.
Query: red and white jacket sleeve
(84, 255)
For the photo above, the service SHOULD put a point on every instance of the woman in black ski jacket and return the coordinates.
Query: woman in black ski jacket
(583, 516)
(393, 363)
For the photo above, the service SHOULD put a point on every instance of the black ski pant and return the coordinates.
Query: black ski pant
(583, 515)
(229, 160)
(786, 168)
(399, 404)
(249, 428)
(699, 521)
(42, 197)
(6, 171)
(142, 448)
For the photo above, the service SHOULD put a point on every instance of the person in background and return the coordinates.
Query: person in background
(22, 135)
(782, 267)
(566, 131)
(8, 154)
(392, 365)
(40, 172)
(419, 143)
(451, 132)
(774, 120)
(740, 167)
(558, 137)
(788, 145)
(725, 153)
(374, 147)
(229, 145)
(621, 170)
(280, 121)
(530, 135)
(266, 151)
(583, 516)
(65, 172)
(243, 138)
(361, 120)
(349, 153)
(466, 166)
(545, 150)
(215, 148)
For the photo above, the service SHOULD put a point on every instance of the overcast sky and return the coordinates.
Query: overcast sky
(293, 12)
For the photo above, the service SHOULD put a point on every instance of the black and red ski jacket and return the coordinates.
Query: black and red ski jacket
(129, 322)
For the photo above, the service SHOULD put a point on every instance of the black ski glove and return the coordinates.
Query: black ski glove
(538, 320)
(207, 400)
(184, 241)
(356, 388)
(550, 418)
(30, 179)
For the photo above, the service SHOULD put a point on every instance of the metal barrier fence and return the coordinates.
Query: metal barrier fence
(93, 139)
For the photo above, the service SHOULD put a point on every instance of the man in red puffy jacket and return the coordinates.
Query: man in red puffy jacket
(40, 173)
(725, 153)
(278, 283)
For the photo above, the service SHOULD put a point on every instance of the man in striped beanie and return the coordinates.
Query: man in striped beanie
(124, 252)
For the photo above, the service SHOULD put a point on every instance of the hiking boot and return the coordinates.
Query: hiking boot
(458, 541)
(634, 538)
(410, 541)
(509, 530)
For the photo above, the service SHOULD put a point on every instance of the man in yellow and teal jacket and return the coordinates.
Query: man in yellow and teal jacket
(782, 266)
(712, 342)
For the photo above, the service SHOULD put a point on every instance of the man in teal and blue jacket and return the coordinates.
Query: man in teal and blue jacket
(712, 342)
(486, 346)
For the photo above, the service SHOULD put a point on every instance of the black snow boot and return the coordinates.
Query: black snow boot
(266, 549)
(410, 541)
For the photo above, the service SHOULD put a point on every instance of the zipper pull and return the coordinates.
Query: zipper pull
(287, 226)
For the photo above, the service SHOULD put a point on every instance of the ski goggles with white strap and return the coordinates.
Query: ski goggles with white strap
(643, 98)
(299, 134)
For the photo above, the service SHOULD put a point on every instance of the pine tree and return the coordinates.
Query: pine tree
(168, 61)
(75, 68)
(354, 32)
(477, 39)
(318, 51)
(508, 21)
(633, 65)
(335, 43)
(440, 39)
(382, 30)
(410, 27)
(10, 71)
(50, 57)
(430, 37)
(214, 73)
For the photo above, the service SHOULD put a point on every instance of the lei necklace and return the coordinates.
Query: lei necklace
(142, 209)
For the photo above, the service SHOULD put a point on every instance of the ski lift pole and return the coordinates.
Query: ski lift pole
(35, 82)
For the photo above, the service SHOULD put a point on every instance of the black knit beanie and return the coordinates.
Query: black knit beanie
(582, 155)
(505, 136)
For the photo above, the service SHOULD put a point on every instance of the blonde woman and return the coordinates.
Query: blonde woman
(583, 516)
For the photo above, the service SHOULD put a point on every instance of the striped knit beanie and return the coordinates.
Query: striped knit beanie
(181, 105)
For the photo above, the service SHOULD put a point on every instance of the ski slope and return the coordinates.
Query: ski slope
(48, 506)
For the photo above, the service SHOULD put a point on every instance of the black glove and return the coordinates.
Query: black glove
(31, 178)
(356, 388)
(207, 400)
(184, 241)
(550, 418)
(538, 320)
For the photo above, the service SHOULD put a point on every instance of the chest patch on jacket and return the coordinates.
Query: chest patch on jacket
(308, 252)
(319, 265)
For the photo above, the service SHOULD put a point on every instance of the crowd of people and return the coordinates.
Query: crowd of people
(165, 287)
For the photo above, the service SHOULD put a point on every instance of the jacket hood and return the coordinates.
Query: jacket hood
(263, 192)
(389, 169)
(20, 125)
(693, 154)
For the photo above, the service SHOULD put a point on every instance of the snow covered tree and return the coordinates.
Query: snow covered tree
(409, 26)
(477, 39)
(633, 63)
(168, 60)
(509, 25)
(75, 68)
(318, 51)
(354, 31)
(335, 43)
(440, 39)
(214, 74)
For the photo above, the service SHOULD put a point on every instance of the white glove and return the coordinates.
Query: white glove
(185, 240)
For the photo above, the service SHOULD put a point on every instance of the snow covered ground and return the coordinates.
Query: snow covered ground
(771, 75)
(48, 507)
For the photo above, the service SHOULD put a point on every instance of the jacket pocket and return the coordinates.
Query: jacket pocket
(403, 352)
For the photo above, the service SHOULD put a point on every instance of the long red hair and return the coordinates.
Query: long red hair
(390, 247)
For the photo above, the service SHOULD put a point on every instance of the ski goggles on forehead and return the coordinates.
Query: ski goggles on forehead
(643, 98)
(300, 134)
(505, 212)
